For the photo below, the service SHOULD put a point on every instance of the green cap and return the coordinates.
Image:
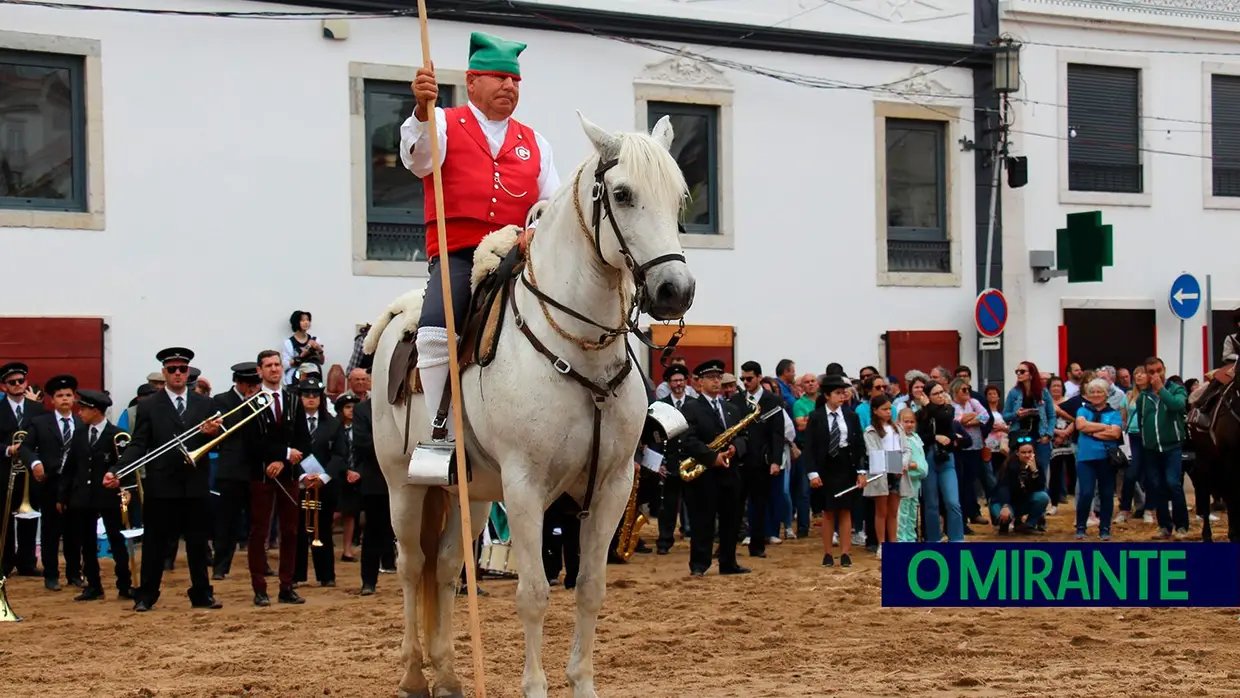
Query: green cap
(491, 54)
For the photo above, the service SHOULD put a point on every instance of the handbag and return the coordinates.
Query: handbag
(1115, 454)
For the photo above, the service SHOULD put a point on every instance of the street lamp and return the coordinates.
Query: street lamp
(1007, 68)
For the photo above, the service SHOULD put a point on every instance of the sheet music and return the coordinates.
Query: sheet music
(310, 466)
(652, 459)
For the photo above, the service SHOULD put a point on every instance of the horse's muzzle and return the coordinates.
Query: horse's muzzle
(669, 291)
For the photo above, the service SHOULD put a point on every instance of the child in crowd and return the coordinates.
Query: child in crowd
(910, 485)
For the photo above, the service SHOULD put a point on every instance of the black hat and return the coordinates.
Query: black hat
(94, 398)
(175, 354)
(13, 367)
(346, 399)
(675, 370)
(829, 382)
(246, 372)
(310, 385)
(194, 372)
(708, 366)
(147, 389)
(60, 382)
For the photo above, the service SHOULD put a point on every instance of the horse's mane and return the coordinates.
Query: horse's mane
(652, 169)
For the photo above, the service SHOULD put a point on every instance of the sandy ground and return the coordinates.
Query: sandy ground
(791, 628)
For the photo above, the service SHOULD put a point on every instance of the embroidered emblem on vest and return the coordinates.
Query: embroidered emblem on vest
(522, 152)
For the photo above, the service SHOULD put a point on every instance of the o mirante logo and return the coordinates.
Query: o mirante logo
(1062, 574)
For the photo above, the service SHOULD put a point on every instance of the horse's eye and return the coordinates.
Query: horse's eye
(623, 196)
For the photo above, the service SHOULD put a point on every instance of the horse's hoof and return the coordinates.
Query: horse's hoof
(420, 693)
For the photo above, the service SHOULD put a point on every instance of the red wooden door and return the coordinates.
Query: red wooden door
(921, 350)
(54, 345)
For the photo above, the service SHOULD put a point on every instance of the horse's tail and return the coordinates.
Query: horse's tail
(434, 516)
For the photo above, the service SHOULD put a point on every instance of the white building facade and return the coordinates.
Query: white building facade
(1132, 110)
(191, 180)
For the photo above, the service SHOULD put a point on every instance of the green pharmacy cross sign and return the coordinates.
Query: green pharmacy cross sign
(1084, 247)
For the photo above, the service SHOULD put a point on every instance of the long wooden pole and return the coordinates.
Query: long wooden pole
(454, 374)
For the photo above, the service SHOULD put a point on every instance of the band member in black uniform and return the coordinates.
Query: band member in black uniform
(21, 406)
(319, 435)
(237, 463)
(175, 493)
(45, 451)
(84, 500)
(350, 504)
(763, 455)
(835, 460)
(677, 378)
(717, 492)
(377, 537)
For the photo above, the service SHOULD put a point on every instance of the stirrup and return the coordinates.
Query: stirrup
(433, 464)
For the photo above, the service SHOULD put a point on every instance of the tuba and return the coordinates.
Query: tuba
(691, 470)
(633, 522)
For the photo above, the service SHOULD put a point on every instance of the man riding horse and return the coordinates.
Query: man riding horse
(494, 170)
(1221, 378)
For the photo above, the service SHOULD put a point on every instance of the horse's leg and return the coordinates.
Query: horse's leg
(527, 505)
(596, 536)
(448, 573)
(407, 506)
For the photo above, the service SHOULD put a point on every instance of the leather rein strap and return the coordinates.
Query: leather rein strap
(600, 394)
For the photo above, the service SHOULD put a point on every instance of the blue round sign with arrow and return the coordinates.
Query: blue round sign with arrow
(1185, 296)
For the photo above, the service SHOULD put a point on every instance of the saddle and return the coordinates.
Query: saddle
(479, 335)
(1209, 399)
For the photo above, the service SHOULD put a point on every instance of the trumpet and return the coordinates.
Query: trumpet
(20, 467)
(312, 506)
(691, 470)
(633, 522)
(256, 402)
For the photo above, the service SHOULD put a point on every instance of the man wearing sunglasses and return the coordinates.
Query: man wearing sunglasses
(20, 407)
(175, 493)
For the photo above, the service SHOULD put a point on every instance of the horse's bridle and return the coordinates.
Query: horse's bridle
(602, 203)
(628, 319)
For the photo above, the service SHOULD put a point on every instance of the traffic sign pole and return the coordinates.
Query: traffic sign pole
(1209, 352)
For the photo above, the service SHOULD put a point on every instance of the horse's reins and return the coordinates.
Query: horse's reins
(628, 318)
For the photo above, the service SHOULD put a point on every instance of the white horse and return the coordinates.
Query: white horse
(529, 421)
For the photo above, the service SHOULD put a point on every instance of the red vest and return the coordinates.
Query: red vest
(475, 203)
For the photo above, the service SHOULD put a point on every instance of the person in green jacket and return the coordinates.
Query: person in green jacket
(1161, 410)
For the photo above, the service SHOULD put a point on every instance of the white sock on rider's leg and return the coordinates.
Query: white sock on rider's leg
(432, 345)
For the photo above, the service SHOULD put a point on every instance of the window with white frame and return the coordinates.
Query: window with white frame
(916, 196)
(395, 215)
(1225, 135)
(696, 149)
(1104, 129)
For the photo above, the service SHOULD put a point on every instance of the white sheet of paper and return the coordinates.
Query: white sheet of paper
(132, 533)
(652, 459)
(29, 515)
(310, 466)
(878, 462)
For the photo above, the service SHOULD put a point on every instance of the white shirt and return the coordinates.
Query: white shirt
(415, 147)
(843, 426)
(275, 394)
(1070, 389)
(173, 396)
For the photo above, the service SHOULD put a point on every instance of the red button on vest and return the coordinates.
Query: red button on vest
(482, 193)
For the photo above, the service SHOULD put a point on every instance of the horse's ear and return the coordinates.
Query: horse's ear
(604, 142)
(663, 132)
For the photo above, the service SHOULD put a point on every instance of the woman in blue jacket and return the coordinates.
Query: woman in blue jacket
(1029, 408)
(1099, 429)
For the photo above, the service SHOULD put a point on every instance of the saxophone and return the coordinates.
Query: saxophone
(633, 522)
(691, 470)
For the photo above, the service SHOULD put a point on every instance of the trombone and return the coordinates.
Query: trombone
(312, 505)
(6, 611)
(19, 467)
(256, 402)
(119, 442)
